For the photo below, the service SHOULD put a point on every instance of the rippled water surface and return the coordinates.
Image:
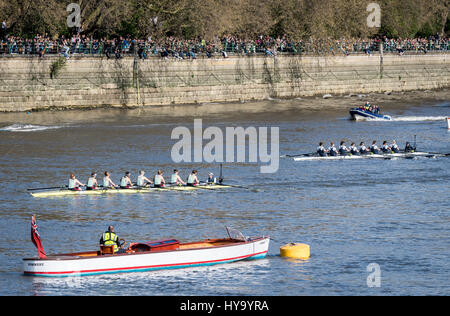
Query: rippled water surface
(352, 213)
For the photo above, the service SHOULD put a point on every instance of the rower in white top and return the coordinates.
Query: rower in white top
(92, 182)
(343, 150)
(385, 148)
(394, 147)
(74, 184)
(175, 178)
(332, 151)
(321, 151)
(159, 181)
(125, 181)
(192, 179)
(374, 148)
(142, 180)
(363, 150)
(353, 149)
(107, 182)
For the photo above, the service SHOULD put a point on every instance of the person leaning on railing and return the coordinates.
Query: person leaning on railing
(43, 45)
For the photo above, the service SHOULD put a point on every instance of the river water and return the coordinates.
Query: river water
(394, 213)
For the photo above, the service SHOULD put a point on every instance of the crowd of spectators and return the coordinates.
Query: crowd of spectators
(172, 47)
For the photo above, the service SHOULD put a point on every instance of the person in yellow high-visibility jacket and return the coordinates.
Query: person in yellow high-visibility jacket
(109, 238)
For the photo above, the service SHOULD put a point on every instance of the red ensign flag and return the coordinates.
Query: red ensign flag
(36, 239)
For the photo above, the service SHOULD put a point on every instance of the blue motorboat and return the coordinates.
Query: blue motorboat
(363, 114)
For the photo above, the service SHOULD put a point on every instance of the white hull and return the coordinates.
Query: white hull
(369, 156)
(73, 265)
(66, 192)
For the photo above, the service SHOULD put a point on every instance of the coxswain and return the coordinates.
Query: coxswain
(363, 149)
(192, 179)
(142, 180)
(394, 147)
(125, 182)
(211, 179)
(353, 149)
(374, 148)
(92, 182)
(332, 151)
(107, 182)
(175, 178)
(159, 181)
(409, 148)
(385, 148)
(343, 150)
(74, 184)
(109, 238)
(321, 151)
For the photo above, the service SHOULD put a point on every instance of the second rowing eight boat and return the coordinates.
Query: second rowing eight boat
(412, 155)
(67, 192)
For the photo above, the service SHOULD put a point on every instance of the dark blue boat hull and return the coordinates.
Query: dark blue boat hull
(358, 114)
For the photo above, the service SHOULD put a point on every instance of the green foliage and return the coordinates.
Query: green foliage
(56, 67)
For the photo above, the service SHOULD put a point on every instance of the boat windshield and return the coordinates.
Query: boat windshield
(235, 234)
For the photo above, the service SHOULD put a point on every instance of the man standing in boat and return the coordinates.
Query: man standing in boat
(109, 238)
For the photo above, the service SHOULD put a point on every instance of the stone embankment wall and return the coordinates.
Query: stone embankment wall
(32, 83)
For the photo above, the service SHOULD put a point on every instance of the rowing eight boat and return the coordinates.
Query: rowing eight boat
(370, 156)
(65, 191)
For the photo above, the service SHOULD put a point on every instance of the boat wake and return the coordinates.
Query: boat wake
(27, 128)
(410, 119)
(419, 118)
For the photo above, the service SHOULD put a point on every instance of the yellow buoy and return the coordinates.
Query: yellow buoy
(295, 250)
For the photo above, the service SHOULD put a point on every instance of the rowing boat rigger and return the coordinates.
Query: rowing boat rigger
(147, 256)
(134, 190)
